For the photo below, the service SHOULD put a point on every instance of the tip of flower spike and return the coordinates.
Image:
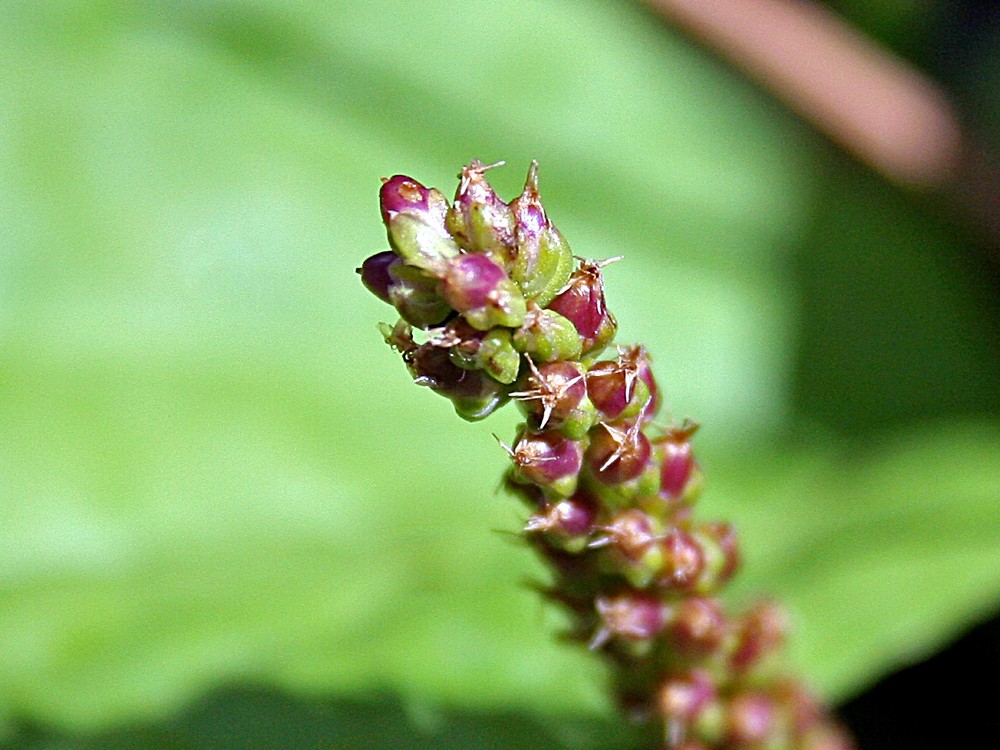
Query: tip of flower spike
(400, 193)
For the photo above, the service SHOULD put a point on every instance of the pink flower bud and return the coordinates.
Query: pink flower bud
(404, 195)
(569, 521)
(548, 459)
(582, 301)
(617, 387)
(760, 632)
(630, 615)
(617, 454)
(683, 697)
(677, 465)
(698, 626)
(631, 532)
(683, 560)
(750, 719)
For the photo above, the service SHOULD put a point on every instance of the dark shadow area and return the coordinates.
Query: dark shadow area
(265, 718)
(899, 312)
(946, 701)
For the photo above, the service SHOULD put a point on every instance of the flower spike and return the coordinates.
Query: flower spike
(611, 495)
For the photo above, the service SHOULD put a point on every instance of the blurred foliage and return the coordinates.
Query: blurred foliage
(213, 472)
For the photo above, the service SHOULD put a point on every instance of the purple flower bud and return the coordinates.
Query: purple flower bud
(479, 221)
(555, 395)
(473, 394)
(375, 273)
(683, 697)
(414, 220)
(630, 615)
(582, 302)
(676, 467)
(616, 387)
(617, 454)
(470, 280)
(760, 631)
(479, 289)
(569, 521)
(750, 719)
(548, 459)
(698, 626)
(404, 195)
(683, 560)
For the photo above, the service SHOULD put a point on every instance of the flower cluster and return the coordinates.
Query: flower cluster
(502, 311)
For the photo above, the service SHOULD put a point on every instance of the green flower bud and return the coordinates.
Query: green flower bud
(490, 351)
(414, 295)
(546, 336)
(544, 261)
(420, 244)
(414, 218)
(478, 220)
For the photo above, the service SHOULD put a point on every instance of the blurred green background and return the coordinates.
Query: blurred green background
(228, 519)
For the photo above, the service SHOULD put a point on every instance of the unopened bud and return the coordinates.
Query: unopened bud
(722, 554)
(481, 291)
(478, 220)
(630, 615)
(617, 454)
(616, 387)
(374, 273)
(404, 195)
(543, 261)
(568, 522)
(414, 294)
(414, 218)
(682, 698)
(760, 632)
(491, 351)
(680, 477)
(582, 302)
(750, 719)
(548, 459)
(546, 336)
(555, 395)
(474, 394)
(683, 560)
(698, 626)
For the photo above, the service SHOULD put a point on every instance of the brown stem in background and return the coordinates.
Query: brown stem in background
(870, 102)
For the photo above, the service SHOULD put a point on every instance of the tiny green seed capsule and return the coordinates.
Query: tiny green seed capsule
(414, 295)
(543, 261)
(420, 244)
(478, 220)
(491, 352)
(546, 336)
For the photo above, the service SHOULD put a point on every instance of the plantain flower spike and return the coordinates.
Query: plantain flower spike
(490, 310)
